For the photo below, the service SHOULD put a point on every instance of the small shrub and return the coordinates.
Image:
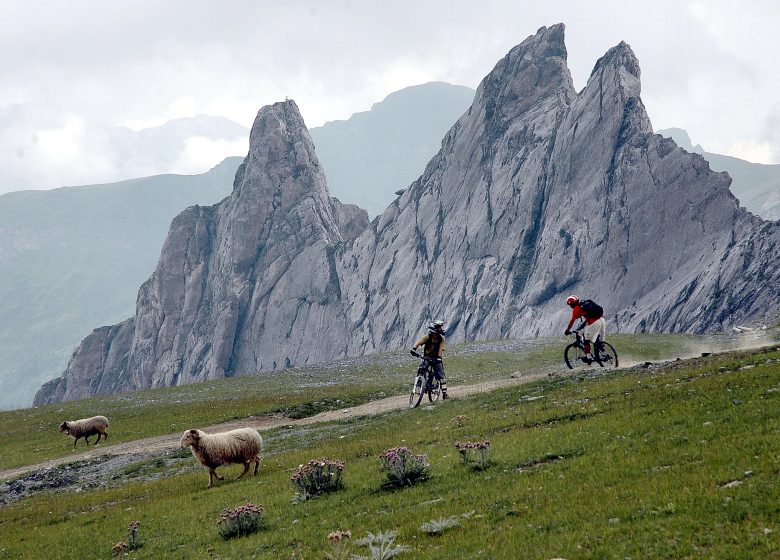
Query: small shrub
(338, 542)
(460, 420)
(240, 521)
(403, 467)
(318, 476)
(474, 454)
(380, 546)
(438, 526)
(132, 543)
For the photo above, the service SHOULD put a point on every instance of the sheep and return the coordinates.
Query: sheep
(214, 450)
(86, 427)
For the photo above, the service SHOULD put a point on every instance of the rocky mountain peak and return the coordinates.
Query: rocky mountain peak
(533, 70)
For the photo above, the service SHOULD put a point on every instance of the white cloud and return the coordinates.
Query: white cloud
(707, 67)
(201, 154)
(757, 152)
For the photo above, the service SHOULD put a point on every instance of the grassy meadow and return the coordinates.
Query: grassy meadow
(680, 461)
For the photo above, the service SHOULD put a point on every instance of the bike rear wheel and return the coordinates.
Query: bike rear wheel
(607, 357)
(573, 356)
(417, 391)
(434, 390)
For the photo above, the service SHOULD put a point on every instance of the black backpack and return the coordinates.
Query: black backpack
(591, 309)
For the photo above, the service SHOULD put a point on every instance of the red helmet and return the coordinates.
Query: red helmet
(572, 300)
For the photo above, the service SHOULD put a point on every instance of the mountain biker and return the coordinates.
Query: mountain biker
(433, 346)
(595, 325)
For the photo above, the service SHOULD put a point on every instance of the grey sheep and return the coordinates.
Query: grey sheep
(97, 425)
(241, 446)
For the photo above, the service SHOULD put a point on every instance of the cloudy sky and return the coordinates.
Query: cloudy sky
(75, 73)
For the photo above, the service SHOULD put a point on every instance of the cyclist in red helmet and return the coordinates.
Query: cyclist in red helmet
(433, 347)
(595, 325)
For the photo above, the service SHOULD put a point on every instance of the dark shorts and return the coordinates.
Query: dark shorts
(438, 370)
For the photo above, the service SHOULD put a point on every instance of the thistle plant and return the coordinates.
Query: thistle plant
(119, 548)
(318, 476)
(460, 420)
(380, 546)
(403, 467)
(132, 543)
(240, 521)
(132, 535)
(438, 526)
(338, 542)
(474, 454)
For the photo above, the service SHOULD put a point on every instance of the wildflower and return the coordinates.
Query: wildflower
(317, 477)
(403, 467)
(241, 520)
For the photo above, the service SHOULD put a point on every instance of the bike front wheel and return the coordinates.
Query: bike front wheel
(434, 390)
(417, 391)
(573, 356)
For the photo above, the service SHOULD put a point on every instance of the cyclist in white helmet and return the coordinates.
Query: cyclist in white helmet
(433, 345)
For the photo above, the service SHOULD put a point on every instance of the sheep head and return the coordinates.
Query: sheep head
(190, 437)
(64, 427)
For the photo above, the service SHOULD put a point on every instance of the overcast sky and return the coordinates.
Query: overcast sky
(73, 71)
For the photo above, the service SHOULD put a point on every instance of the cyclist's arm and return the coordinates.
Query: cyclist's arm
(420, 342)
(575, 314)
(442, 346)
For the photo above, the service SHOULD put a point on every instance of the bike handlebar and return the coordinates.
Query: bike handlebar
(416, 355)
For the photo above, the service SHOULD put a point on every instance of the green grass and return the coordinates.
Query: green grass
(31, 435)
(633, 464)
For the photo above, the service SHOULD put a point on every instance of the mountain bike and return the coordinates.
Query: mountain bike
(602, 352)
(425, 382)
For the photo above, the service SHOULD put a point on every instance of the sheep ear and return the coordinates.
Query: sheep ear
(194, 434)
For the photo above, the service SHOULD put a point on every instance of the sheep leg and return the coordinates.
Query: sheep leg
(246, 469)
(213, 473)
(86, 438)
(74, 443)
(257, 464)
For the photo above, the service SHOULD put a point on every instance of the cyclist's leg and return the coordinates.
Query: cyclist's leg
(601, 333)
(588, 334)
(438, 372)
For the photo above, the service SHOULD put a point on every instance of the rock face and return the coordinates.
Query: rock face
(255, 271)
(538, 191)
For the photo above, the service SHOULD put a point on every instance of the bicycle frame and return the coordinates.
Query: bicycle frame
(425, 371)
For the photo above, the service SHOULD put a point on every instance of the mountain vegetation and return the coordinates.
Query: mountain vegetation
(658, 461)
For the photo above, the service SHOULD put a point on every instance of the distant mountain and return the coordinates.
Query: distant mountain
(373, 154)
(538, 191)
(756, 185)
(71, 258)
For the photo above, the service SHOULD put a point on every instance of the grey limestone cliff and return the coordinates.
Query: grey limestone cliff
(537, 191)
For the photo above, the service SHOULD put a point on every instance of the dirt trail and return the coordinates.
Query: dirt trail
(161, 444)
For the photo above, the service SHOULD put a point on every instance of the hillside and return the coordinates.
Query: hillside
(375, 153)
(71, 258)
(648, 462)
(756, 185)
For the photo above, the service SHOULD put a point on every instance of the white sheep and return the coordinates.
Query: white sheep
(86, 427)
(214, 450)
